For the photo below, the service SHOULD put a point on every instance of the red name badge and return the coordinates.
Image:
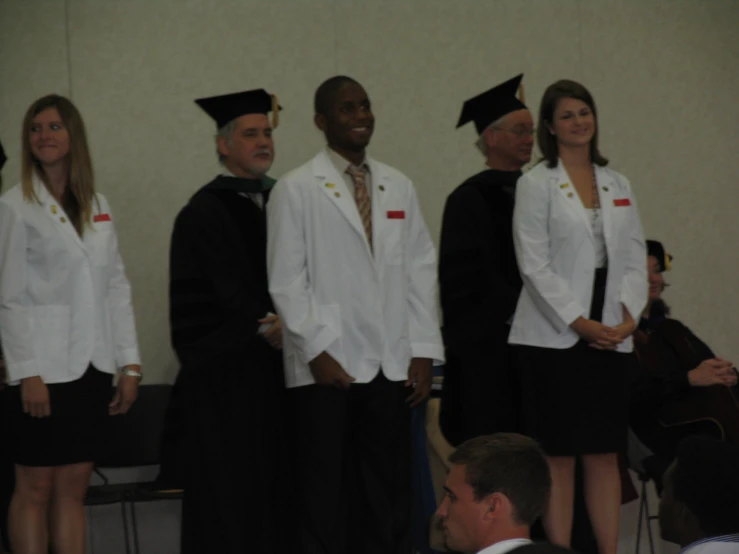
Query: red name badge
(397, 214)
(101, 217)
(621, 202)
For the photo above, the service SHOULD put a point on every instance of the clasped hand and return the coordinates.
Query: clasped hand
(603, 337)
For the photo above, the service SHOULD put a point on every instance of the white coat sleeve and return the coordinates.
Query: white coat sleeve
(634, 285)
(550, 293)
(123, 324)
(305, 325)
(424, 333)
(16, 312)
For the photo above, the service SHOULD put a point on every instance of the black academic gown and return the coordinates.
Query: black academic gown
(479, 284)
(227, 409)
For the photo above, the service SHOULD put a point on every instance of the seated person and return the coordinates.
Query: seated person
(497, 487)
(681, 387)
(699, 509)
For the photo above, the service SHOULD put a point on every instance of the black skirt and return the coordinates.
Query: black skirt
(575, 400)
(73, 431)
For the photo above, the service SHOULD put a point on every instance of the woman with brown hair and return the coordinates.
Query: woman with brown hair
(67, 326)
(582, 258)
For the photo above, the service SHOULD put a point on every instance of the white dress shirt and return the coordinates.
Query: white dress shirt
(725, 544)
(255, 197)
(342, 165)
(504, 546)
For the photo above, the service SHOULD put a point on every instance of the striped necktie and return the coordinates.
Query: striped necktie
(361, 196)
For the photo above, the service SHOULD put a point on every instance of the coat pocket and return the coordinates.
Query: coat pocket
(52, 329)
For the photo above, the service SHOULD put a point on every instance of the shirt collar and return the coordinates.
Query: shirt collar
(341, 164)
(720, 539)
(504, 546)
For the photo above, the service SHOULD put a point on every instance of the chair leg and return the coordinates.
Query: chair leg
(649, 523)
(642, 504)
(125, 527)
(136, 529)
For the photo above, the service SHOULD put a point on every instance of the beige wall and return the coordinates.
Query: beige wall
(665, 75)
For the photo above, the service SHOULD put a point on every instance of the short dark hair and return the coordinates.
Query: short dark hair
(327, 90)
(545, 139)
(706, 481)
(510, 464)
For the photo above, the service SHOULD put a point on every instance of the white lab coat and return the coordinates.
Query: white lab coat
(367, 311)
(65, 302)
(554, 244)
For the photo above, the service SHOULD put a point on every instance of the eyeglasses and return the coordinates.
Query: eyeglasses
(518, 132)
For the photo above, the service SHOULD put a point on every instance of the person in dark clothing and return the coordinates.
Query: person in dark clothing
(479, 280)
(226, 414)
(681, 387)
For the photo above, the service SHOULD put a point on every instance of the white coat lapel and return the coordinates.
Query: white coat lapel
(54, 210)
(562, 182)
(607, 187)
(382, 195)
(333, 186)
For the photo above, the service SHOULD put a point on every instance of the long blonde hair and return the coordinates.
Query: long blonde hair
(80, 191)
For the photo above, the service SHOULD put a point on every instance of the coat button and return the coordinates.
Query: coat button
(63, 220)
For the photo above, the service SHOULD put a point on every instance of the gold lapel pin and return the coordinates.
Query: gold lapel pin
(337, 194)
(330, 186)
(564, 186)
(53, 210)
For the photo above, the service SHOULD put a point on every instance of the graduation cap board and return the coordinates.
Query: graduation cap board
(227, 107)
(655, 248)
(491, 105)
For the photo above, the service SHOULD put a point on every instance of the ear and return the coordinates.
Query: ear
(320, 121)
(489, 136)
(549, 126)
(496, 506)
(222, 145)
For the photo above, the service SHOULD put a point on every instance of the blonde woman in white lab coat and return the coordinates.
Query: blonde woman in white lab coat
(582, 257)
(66, 324)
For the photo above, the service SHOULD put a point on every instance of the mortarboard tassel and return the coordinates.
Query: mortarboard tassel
(275, 111)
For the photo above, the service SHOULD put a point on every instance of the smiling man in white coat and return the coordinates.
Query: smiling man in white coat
(352, 271)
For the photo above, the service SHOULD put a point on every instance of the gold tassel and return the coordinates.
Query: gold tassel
(520, 93)
(275, 111)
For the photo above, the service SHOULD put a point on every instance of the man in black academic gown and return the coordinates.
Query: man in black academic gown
(227, 407)
(478, 275)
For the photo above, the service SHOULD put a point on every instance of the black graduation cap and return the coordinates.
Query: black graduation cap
(655, 248)
(3, 157)
(227, 107)
(492, 104)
